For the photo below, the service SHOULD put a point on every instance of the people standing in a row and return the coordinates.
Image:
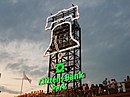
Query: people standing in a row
(127, 84)
(106, 87)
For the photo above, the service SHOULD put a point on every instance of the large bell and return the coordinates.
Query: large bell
(61, 39)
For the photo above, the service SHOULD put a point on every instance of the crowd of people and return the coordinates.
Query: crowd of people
(105, 88)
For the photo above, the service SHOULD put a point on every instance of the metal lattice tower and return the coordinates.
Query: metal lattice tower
(70, 57)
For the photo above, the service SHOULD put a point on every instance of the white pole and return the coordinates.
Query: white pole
(21, 86)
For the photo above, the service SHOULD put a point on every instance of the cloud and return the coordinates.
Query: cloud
(105, 36)
(90, 3)
(21, 66)
(19, 56)
(105, 39)
(20, 21)
(4, 89)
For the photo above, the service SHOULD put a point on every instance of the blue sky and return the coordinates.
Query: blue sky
(105, 44)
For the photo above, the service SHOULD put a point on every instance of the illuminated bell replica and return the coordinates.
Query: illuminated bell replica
(62, 38)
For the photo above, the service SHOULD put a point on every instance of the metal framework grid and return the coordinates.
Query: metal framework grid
(72, 57)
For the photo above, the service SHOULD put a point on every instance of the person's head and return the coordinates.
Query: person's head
(112, 79)
(92, 85)
(128, 77)
(96, 85)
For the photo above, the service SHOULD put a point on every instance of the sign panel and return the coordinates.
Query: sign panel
(62, 79)
(60, 25)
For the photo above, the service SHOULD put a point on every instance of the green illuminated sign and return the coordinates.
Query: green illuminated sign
(59, 67)
(57, 88)
(67, 77)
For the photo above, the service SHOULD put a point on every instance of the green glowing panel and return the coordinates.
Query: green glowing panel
(60, 67)
(59, 88)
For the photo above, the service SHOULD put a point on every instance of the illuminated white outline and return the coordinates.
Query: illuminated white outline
(70, 16)
(46, 54)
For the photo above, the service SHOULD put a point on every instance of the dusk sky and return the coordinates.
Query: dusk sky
(105, 44)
